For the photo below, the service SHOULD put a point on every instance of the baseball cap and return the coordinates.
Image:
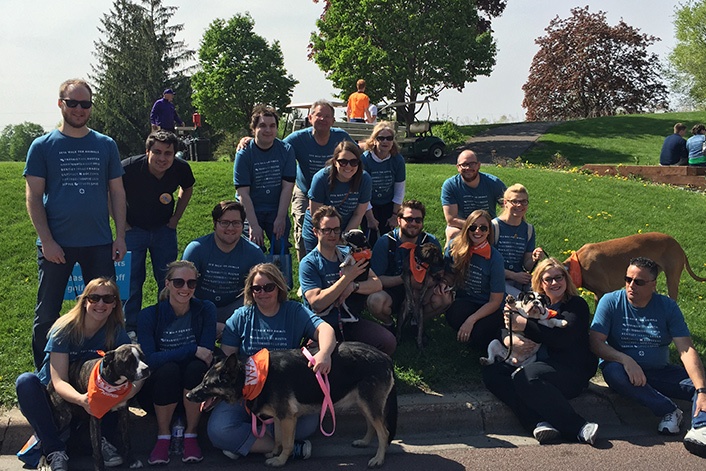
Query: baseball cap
(168, 90)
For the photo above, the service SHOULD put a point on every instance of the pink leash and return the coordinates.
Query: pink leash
(326, 389)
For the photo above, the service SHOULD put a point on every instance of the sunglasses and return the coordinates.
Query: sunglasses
(346, 162)
(385, 138)
(85, 104)
(410, 219)
(226, 224)
(106, 298)
(268, 288)
(329, 230)
(548, 280)
(474, 227)
(179, 283)
(637, 281)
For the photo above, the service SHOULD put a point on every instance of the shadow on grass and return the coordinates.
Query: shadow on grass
(578, 155)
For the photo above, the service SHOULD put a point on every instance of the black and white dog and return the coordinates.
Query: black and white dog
(359, 250)
(105, 379)
(517, 349)
(360, 374)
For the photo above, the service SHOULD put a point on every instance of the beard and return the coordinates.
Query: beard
(74, 121)
(469, 179)
(409, 233)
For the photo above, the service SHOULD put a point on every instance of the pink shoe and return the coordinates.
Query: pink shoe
(160, 452)
(192, 451)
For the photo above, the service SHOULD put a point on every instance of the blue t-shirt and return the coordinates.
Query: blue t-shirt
(513, 244)
(316, 271)
(387, 264)
(484, 276)
(76, 173)
(643, 333)
(222, 275)
(250, 331)
(694, 145)
(78, 352)
(490, 189)
(177, 334)
(263, 171)
(311, 156)
(384, 175)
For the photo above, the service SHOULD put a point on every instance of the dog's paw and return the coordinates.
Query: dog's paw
(276, 461)
(485, 361)
(361, 443)
(376, 462)
(137, 464)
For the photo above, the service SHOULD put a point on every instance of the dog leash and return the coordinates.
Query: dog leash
(326, 389)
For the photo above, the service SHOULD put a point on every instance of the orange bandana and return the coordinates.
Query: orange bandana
(551, 313)
(575, 270)
(103, 396)
(419, 270)
(483, 250)
(256, 374)
(363, 254)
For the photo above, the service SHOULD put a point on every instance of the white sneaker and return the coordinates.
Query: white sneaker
(58, 461)
(588, 433)
(695, 441)
(669, 424)
(231, 455)
(544, 432)
(111, 457)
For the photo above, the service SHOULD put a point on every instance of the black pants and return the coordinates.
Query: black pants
(538, 392)
(484, 331)
(382, 213)
(167, 383)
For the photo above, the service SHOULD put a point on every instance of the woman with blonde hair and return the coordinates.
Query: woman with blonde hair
(477, 267)
(178, 336)
(95, 323)
(386, 167)
(539, 392)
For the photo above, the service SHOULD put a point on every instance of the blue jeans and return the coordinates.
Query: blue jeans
(662, 383)
(266, 220)
(95, 261)
(162, 244)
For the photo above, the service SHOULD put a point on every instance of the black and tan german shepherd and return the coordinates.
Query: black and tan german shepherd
(360, 374)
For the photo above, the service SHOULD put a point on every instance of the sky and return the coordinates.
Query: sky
(44, 42)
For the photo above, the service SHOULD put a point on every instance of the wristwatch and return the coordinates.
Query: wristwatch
(701, 391)
(357, 287)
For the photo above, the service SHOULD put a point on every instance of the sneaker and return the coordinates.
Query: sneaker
(111, 457)
(669, 424)
(695, 441)
(160, 452)
(192, 451)
(588, 433)
(302, 449)
(545, 433)
(58, 461)
(231, 455)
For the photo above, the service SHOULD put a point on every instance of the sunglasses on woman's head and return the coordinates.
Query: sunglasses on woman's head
(179, 283)
(106, 298)
(268, 288)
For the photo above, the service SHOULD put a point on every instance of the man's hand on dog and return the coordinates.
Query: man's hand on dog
(350, 272)
(205, 355)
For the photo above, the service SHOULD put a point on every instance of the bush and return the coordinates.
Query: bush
(450, 133)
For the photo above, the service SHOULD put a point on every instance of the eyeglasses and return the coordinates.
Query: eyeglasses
(518, 202)
(346, 162)
(637, 281)
(226, 224)
(106, 298)
(329, 230)
(385, 138)
(473, 228)
(179, 283)
(410, 219)
(85, 104)
(268, 288)
(468, 165)
(550, 279)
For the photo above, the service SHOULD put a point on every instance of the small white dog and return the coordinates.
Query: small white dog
(517, 349)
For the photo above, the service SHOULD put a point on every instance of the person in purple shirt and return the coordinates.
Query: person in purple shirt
(164, 114)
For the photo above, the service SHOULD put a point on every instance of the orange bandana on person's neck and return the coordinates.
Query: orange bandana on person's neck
(103, 396)
(256, 368)
(483, 250)
(419, 270)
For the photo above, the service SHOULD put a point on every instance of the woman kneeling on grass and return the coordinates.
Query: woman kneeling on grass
(267, 320)
(178, 336)
(539, 393)
(95, 323)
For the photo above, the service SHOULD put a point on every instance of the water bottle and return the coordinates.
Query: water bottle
(176, 446)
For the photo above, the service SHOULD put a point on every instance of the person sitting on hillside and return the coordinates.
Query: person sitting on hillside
(674, 151)
(695, 145)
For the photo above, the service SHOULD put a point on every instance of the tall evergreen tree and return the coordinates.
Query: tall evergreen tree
(138, 57)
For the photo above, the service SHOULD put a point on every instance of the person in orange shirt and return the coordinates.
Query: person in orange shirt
(358, 104)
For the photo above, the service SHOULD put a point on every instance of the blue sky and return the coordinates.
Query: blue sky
(45, 42)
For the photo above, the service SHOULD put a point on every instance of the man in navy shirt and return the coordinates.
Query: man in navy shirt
(163, 114)
(674, 151)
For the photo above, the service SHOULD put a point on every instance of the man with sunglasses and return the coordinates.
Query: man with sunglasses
(150, 181)
(631, 333)
(469, 190)
(223, 259)
(69, 174)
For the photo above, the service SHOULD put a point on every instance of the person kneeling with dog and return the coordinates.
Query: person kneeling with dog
(95, 323)
(539, 392)
(178, 336)
(267, 320)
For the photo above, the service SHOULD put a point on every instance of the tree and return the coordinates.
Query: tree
(687, 58)
(405, 50)
(15, 140)
(138, 57)
(238, 69)
(586, 68)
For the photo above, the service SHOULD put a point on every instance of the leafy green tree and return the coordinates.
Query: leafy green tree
(138, 57)
(238, 69)
(15, 140)
(687, 59)
(586, 68)
(405, 50)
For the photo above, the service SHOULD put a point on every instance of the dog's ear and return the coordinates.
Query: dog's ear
(544, 299)
(522, 296)
(109, 356)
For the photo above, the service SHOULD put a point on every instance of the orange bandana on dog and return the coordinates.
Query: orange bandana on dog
(362, 254)
(483, 250)
(575, 270)
(103, 396)
(256, 374)
(419, 270)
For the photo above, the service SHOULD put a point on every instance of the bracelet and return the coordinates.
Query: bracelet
(357, 287)
(701, 391)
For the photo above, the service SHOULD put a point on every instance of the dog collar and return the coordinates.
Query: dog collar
(575, 270)
(418, 269)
